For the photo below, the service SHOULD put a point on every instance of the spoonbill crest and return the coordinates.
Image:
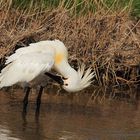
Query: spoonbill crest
(36, 60)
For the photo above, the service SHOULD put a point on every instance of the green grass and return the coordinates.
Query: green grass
(84, 6)
(132, 5)
(136, 8)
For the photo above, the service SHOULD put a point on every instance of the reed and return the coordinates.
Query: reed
(102, 34)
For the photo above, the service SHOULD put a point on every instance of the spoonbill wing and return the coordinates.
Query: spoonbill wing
(26, 67)
(39, 47)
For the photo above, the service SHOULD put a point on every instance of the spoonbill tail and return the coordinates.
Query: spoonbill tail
(33, 62)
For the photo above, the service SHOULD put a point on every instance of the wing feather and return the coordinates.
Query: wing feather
(39, 47)
(26, 68)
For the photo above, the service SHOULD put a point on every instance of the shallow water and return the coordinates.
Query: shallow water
(114, 120)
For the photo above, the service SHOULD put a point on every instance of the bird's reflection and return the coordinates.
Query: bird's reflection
(26, 121)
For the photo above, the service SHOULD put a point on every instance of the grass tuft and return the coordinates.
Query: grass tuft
(103, 34)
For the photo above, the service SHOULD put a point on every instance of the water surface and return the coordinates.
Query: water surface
(114, 120)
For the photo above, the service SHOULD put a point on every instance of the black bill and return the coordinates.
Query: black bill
(56, 78)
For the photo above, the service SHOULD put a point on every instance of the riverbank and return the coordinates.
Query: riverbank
(53, 95)
(108, 39)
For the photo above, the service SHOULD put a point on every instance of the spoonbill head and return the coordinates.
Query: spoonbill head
(78, 80)
(73, 80)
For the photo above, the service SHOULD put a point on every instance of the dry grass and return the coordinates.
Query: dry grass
(108, 40)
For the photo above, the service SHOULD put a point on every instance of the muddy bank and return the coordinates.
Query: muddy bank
(87, 98)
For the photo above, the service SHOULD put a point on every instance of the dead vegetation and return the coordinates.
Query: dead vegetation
(107, 40)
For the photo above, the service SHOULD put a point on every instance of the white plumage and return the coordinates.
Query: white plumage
(33, 61)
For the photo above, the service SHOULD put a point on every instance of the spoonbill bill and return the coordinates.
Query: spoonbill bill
(35, 61)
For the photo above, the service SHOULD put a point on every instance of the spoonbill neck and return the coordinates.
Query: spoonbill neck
(65, 69)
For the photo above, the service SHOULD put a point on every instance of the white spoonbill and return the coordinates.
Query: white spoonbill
(28, 63)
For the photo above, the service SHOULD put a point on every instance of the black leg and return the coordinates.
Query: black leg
(38, 100)
(25, 100)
